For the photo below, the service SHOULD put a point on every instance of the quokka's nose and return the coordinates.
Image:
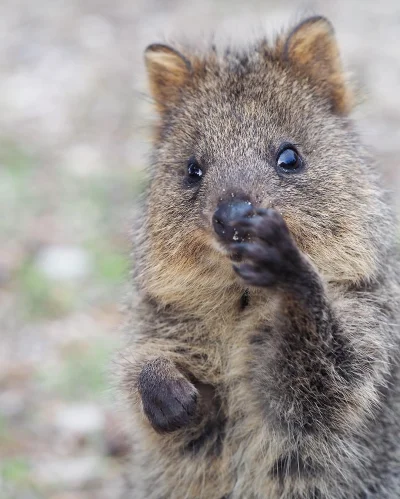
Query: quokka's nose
(225, 214)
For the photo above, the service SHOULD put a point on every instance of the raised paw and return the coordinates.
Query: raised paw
(270, 255)
(169, 399)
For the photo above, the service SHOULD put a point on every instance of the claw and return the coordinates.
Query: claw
(248, 225)
(262, 254)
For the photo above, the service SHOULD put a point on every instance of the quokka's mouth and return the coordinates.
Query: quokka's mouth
(224, 247)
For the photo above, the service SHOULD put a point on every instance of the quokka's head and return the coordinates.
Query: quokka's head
(266, 127)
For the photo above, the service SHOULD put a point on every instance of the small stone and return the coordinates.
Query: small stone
(11, 403)
(71, 473)
(63, 262)
(83, 160)
(82, 419)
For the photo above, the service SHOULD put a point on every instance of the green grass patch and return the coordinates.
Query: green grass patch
(3, 428)
(15, 159)
(82, 374)
(15, 470)
(112, 267)
(43, 297)
(110, 264)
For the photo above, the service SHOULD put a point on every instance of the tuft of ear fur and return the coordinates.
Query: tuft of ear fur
(312, 48)
(168, 71)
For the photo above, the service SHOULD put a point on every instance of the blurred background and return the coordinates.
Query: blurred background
(74, 127)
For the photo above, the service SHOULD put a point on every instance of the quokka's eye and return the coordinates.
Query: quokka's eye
(288, 159)
(194, 170)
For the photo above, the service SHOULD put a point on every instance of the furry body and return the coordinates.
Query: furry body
(277, 379)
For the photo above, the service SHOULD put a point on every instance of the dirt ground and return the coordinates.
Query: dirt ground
(73, 143)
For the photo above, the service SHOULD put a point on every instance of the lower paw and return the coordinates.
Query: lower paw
(169, 399)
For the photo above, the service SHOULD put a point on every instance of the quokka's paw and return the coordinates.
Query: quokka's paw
(169, 399)
(270, 255)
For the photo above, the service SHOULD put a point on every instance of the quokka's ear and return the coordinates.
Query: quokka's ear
(311, 47)
(168, 71)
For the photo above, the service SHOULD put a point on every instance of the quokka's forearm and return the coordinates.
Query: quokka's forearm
(318, 368)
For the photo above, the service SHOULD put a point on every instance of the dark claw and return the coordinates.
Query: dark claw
(266, 225)
(257, 252)
(247, 224)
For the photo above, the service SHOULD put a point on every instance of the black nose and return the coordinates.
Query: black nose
(226, 213)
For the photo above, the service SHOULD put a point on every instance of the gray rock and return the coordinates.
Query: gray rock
(81, 419)
(71, 473)
(63, 262)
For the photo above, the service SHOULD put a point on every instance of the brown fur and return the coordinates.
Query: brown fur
(312, 48)
(295, 391)
(168, 71)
